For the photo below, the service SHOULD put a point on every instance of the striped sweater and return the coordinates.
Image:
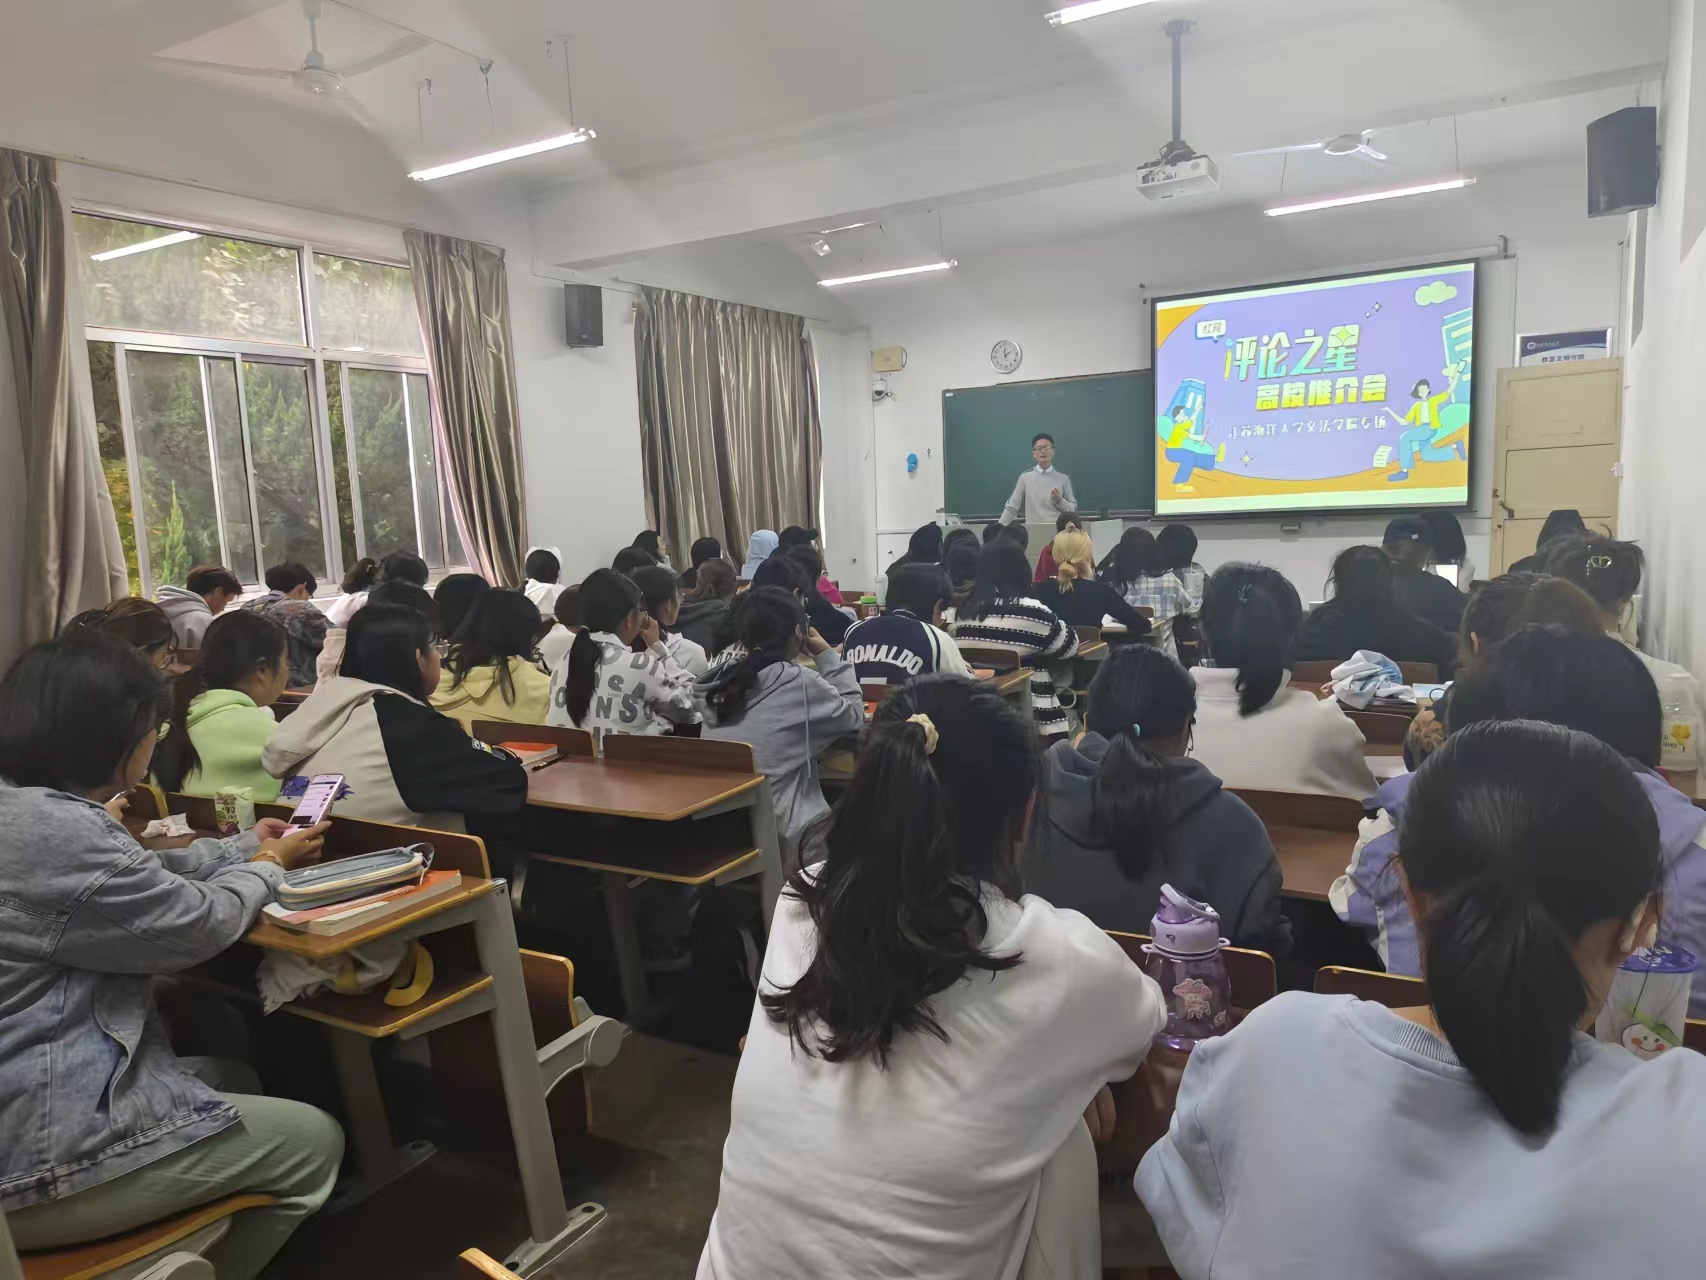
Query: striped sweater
(1028, 627)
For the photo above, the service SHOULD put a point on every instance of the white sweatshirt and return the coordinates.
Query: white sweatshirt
(1295, 743)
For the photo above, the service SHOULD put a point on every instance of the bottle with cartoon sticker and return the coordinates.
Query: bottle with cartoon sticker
(1185, 959)
(1647, 1007)
(1680, 747)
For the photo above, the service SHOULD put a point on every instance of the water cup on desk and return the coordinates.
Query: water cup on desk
(1648, 1004)
(1185, 960)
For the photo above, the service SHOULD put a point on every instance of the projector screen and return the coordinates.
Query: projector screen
(1322, 395)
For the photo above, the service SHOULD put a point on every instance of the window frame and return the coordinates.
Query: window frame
(311, 354)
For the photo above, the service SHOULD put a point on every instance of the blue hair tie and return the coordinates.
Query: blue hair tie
(1137, 731)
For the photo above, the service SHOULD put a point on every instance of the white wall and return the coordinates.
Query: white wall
(1664, 452)
(1078, 307)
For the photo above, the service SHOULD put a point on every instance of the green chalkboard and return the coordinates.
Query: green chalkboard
(1104, 431)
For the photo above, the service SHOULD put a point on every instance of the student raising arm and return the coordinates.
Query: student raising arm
(105, 1129)
(1484, 1137)
(926, 1040)
(788, 712)
(605, 686)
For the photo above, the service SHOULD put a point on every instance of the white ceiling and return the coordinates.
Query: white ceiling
(726, 118)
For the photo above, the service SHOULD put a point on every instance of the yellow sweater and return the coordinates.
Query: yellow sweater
(480, 697)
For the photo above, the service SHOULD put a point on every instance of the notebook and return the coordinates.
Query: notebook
(356, 913)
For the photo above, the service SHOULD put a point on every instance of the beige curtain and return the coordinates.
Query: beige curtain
(728, 418)
(72, 557)
(462, 295)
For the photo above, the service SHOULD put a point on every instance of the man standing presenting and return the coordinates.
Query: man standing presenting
(1042, 493)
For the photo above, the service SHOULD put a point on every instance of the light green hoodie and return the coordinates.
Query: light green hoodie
(229, 731)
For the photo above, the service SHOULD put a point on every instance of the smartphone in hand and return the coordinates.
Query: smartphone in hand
(323, 788)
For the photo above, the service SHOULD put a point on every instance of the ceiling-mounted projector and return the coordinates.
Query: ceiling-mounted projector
(1179, 171)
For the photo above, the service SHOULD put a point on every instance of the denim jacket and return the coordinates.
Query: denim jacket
(89, 1086)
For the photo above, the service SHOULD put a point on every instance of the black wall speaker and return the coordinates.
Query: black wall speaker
(1623, 162)
(583, 315)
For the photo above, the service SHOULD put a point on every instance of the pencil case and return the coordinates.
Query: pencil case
(353, 877)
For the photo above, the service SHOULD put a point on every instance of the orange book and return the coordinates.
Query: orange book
(532, 754)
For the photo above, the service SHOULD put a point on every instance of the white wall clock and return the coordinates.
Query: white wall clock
(1005, 356)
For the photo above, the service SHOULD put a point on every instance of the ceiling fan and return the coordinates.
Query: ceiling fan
(1345, 144)
(315, 76)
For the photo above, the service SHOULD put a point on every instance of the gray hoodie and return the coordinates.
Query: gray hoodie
(1217, 850)
(188, 612)
(793, 715)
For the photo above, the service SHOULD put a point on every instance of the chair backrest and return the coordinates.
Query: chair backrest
(681, 753)
(1390, 989)
(1088, 635)
(1254, 977)
(566, 738)
(147, 802)
(452, 850)
(1295, 809)
(993, 657)
(1419, 672)
(1313, 673)
(1381, 727)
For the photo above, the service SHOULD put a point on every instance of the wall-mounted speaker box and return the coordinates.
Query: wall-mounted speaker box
(1623, 162)
(583, 315)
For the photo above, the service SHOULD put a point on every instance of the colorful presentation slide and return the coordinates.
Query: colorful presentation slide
(1323, 395)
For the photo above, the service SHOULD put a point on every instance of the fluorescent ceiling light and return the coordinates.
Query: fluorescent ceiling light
(1090, 9)
(508, 153)
(889, 275)
(1369, 197)
(143, 246)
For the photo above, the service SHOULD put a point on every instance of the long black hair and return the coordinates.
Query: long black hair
(1447, 537)
(1498, 607)
(780, 569)
(73, 710)
(1516, 838)
(501, 625)
(1177, 544)
(384, 645)
(141, 624)
(811, 568)
(658, 586)
(1141, 697)
(631, 558)
(403, 566)
(1250, 615)
(770, 623)
(1134, 557)
(606, 600)
(925, 545)
(454, 598)
(1591, 683)
(896, 902)
(649, 541)
(1363, 580)
(237, 644)
(1003, 573)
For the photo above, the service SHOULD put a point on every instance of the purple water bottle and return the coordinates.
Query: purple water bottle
(1185, 960)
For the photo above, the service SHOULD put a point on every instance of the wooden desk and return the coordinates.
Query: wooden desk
(1094, 651)
(1014, 684)
(1310, 859)
(657, 819)
(491, 984)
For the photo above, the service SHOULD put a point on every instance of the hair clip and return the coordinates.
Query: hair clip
(1244, 593)
(1598, 562)
(1137, 731)
(931, 737)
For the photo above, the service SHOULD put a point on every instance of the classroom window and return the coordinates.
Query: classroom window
(258, 402)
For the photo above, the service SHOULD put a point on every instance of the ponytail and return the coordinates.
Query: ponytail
(935, 811)
(1517, 837)
(1140, 699)
(1250, 615)
(769, 622)
(606, 600)
(237, 644)
(360, 577)
(1074, 555)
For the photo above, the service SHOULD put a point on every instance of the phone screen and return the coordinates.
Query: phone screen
(322, 790)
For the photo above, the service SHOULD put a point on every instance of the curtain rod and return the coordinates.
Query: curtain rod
(195, 185)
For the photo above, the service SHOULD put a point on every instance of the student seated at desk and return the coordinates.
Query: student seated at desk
(554, 645)
(605, 686)
(1484, 1137)
(798, 536)
(1610, 572)
(207, 591)
(453, 598)
(1075, 595)
(543, 568)
(960, 552)
(402, 761)
(289, 601)
(1254, 730)
(660, 593)
(1495, 610)
(1137, 570)
(829, 622)
(1003, 613)
(492, 671)
(141, 624)
(703, 549)
(1177, 544)
(704, 615)
(106, 1130)
(1126, 809)
(907, 640)
(399, 571)
(925, 1041)
(787, 712)
(220, 717)
(1593, 684)
(1048, 568)
(1364, 613)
